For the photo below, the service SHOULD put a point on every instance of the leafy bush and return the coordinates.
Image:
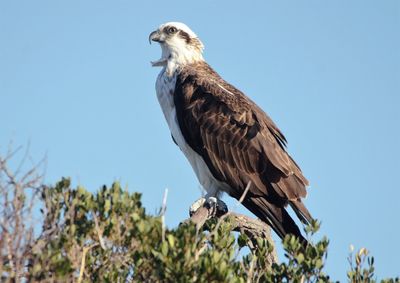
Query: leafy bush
(107, 236)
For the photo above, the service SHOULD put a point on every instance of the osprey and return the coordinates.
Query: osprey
(229, 141)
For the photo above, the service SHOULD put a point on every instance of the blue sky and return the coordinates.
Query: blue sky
(76, 82)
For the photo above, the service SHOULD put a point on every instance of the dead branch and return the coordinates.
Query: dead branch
(18, 193)
(252, 228)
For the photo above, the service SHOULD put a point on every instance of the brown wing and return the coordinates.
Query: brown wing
(240, 144)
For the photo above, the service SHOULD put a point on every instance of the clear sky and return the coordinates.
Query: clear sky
(76, 82)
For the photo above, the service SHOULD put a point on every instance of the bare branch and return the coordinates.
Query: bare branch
(18, 194)
(84, 252)
(99, 232)
(163, 210)
(253, 228)
(245, 192)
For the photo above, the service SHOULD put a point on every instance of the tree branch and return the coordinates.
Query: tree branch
(252, 228)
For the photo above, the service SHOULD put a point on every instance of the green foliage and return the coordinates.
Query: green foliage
(108, 237)
(305, 264)
(358, 272)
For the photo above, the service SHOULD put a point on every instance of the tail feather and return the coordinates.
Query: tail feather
(301, 211)
(277, 217)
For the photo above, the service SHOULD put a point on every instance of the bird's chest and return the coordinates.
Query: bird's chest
(165, 87)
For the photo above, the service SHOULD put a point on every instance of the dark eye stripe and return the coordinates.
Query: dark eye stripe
(185, 36)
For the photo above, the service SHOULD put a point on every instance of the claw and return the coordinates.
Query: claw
(221, 207)
(217, 206)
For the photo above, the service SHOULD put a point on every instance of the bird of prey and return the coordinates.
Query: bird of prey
(229, 141)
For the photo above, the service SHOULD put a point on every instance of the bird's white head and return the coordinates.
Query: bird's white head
(179, 45)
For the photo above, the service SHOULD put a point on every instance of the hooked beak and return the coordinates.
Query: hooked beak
(155, 36)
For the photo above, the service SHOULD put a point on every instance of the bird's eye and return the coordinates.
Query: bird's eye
(172, 30)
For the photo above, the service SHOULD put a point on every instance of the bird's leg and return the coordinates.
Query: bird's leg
(217, 206)
(214, 204)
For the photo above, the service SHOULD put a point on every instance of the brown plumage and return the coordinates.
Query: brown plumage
(240, 144)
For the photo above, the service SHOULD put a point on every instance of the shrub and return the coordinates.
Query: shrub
(107, 236)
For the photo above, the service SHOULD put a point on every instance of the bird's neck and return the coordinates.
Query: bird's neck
(179, 58)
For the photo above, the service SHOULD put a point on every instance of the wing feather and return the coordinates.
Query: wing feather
(237, 140)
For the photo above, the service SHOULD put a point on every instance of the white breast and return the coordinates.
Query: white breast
(165, 87)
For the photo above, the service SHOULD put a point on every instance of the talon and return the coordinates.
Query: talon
(217, 206)
(222, 208)
(212, 201)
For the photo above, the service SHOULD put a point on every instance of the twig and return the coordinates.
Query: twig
(251, 269)
(18, 194)
(84, 252)
(245, 192)
(99, 233)
(163, 210)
